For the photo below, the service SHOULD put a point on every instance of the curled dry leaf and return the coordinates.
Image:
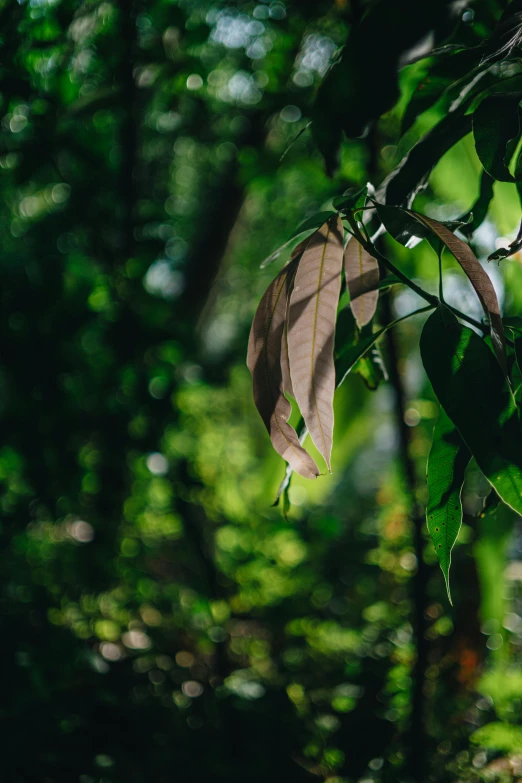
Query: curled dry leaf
(311, 331)
(478, 278)
(264, 362)
(362, 278)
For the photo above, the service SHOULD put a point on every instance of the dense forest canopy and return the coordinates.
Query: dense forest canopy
(161, 162)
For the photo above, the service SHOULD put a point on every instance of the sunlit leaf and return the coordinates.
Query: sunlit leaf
(311, 332)
(264, 362)
(285, 364)
(371, 368)
(447, 463)
(362, 278)
(471, 388)
(349, 348)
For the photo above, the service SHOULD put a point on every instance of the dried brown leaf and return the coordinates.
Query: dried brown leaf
(478, 278)
(264, 362)
(362, 278)
(311, 331)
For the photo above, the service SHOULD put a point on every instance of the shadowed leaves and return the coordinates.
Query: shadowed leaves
(496, 123)
(475, 395)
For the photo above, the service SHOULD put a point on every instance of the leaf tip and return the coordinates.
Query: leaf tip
(445, 572)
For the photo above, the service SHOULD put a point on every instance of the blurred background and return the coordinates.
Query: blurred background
(160, 619)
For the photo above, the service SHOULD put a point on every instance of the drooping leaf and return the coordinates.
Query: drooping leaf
(447, 463)
(478, 278)
(405, 229)
(480, 208)
(496, 123)
(300, 236)
(475, 395)
(351, 97)
(362, 278)
(311, 331)
(401, 225)
(347, 352)
(412, 173)
(441, 74)
(264, 362)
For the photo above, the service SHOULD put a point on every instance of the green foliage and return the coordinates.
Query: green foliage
(457, 361)
(499, 736)
(496, 126)
(447, 463)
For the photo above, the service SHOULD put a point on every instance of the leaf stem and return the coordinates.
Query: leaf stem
(483, 328)
(433, 300)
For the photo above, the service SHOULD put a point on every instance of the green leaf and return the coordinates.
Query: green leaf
(371, 368)
(347, 355)
(514, 322)
(516, 365)
(447, 463)
(353, 197)
(478, 278)
(496, 123)
(479, 210)
(359, 88)
(401, 226)
(411, 175)
(443, 72)
(473, 391)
